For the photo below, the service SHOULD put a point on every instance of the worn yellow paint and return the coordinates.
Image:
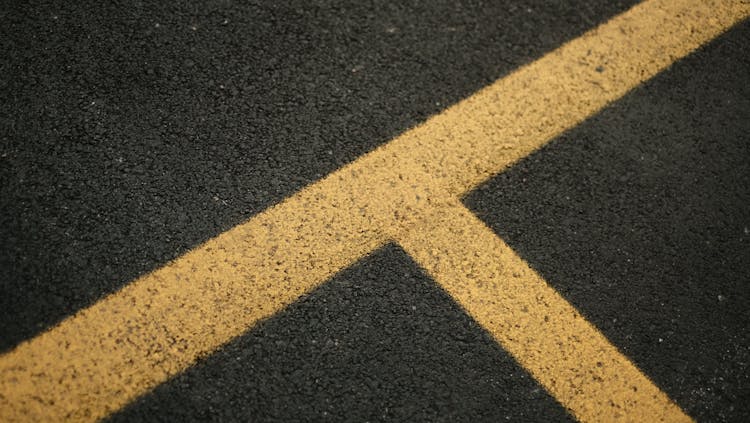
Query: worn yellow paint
(547, 336)
(98, 360)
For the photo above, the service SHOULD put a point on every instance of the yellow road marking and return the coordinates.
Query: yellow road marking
(98, 360)
(547, 336)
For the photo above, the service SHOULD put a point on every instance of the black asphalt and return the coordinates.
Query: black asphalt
(130, 132)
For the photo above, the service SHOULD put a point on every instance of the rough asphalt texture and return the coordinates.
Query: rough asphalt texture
(132, 132)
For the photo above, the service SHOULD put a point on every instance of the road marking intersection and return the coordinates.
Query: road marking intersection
(407, 191)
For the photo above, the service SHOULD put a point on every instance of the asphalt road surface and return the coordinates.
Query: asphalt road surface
(132, 132)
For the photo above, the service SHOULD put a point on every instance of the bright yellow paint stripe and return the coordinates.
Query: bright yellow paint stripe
(547, 336)
(95, 362)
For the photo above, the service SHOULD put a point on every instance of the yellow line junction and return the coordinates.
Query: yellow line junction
(407, 191)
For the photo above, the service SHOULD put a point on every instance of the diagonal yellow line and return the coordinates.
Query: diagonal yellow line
(548, 337)
(98, 360)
